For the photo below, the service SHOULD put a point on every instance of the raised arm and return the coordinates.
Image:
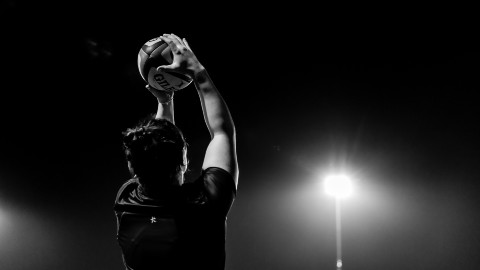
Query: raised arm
(221, 151)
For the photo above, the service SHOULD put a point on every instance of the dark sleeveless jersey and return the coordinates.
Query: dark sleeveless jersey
(184, 228)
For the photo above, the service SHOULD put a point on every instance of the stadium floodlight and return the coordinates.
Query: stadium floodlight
(338, 185)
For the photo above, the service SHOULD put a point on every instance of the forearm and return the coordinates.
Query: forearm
(165, 111)
(215, 110)
(165, 104)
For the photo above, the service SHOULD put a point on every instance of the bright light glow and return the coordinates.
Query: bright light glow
(4, 223)
(339, 264)
(3, 218)
(338, 186)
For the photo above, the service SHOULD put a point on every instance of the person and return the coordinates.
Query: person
(164, 222)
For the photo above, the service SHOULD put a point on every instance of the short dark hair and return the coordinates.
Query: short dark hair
(154, 148)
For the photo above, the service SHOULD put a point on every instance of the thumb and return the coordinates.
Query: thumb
(165, 68)
(151, 89)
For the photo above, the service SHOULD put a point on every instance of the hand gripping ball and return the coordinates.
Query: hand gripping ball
(155, 53)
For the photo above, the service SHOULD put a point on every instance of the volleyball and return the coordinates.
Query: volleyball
(155, 53)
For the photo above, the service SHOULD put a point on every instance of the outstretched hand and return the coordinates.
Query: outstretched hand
(184, 60)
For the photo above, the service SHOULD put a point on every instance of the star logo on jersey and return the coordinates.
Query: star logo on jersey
(153, 219)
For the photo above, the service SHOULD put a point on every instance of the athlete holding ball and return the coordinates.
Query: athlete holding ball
(164, 223)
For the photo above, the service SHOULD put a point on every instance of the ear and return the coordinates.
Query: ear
(185, 159)
(183, 168)
(130, 169)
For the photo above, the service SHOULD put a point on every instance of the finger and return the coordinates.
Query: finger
(170, 41)
(165, 68)
(166, 38)
(150, 88)
(186, 44)
(163, 38)
(176, 40)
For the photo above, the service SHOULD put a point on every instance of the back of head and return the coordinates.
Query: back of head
(155, 152)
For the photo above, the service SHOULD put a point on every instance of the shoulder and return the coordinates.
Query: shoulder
(218, 178)
(219, 187)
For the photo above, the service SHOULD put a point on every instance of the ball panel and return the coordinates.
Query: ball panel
(180, 76)
(178, 81)
(167, 81)
(168, 54)
(152, 44)
(158, 52)
(154, 60)
(158, 80)
(141, 59)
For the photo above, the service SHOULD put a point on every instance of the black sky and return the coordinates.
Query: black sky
(391, 91)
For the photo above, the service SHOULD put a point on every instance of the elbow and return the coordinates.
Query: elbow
(227, 129)
(230, 129)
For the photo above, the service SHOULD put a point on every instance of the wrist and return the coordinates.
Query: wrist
(199, 74)
(165, 97)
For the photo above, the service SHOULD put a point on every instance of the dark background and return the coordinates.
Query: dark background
(387, 93)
